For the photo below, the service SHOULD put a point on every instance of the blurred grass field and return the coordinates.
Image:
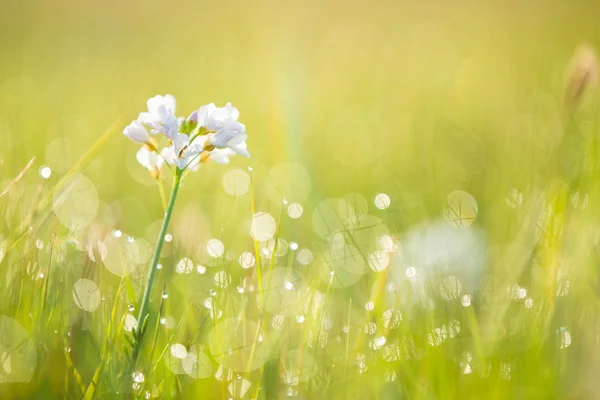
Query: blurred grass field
(433, 155)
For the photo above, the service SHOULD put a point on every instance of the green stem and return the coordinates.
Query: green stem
(143, 313)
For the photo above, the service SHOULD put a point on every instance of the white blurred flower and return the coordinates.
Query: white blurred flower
(136, 132)
(160, 117)
(151, 160)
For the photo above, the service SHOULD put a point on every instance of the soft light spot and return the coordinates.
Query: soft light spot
(370, 328)
(45, 172)
(86, 295)
(391, 352)
(564, 337)
(287, 180)
(130, 323)
(239, 345)
(377, 342)
(168, 237)
(18, 356)
(222, 279)
(76, 202)
(263, 226)
(239, 387)
(138, 377)
(466, 300)
(277, 321)
(236, 182)
(304, 257)
(391, 318)
(382, 201)
(379, 261)
(294, 210)
(247, 260)
(517, 292)
(184, 266)
(369, 306)
(215, 248)
(178, 351)
(386, 243)
(461, 209)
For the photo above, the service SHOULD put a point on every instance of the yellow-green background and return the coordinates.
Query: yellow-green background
(414, 99)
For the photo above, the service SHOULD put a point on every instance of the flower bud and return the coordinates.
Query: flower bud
(191, 122)
(209, 146)
(136, 132)
(582, 73)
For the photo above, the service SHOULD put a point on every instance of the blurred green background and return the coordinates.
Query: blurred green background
(412, 99)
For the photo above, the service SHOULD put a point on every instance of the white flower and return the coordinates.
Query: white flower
(160, 117)
(210, 133)
(182, 152)
(221, 156)
(233, 136)
(215, 118)
(136, 132)
(149, 159)
(229, 133)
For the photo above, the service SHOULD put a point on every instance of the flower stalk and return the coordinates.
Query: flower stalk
(209, 133)
(143, 312)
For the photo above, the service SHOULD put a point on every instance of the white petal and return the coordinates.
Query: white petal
(167, 102)
(232, 111)
(168, 155)
(204, 112)
(220, 156)
(148, 159)
(231, 130)
(136, 132)
(171, 126)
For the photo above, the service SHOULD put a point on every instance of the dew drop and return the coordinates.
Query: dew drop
(45, 172)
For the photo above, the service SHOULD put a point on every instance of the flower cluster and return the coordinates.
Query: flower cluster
(209, 133)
